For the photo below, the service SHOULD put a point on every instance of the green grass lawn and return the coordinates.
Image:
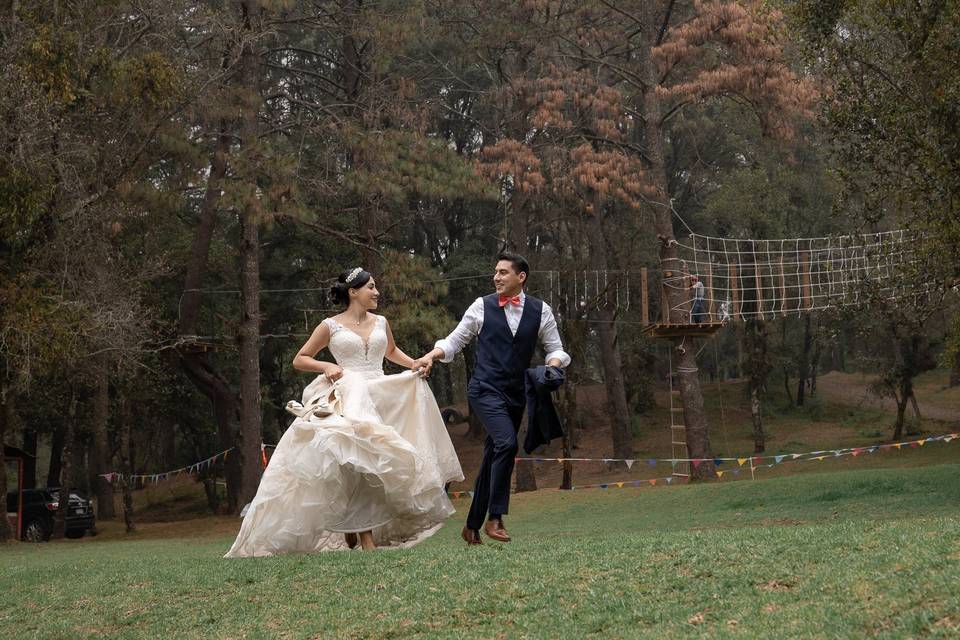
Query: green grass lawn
(869, 552)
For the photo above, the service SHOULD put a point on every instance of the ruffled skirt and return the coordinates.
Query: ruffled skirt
(379, 463)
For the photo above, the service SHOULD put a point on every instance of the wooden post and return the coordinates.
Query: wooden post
(644, 299)
(805, 277)
(734, 292)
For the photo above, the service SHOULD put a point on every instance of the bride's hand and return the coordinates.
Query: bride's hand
(423, 366)
(334, 372)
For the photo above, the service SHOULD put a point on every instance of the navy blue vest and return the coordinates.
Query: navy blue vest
(502, 358)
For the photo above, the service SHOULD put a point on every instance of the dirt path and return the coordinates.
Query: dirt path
(936, 400)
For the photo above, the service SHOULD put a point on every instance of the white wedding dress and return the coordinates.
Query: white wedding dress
(379, 461)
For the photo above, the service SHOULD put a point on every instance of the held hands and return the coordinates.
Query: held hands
(423, 364)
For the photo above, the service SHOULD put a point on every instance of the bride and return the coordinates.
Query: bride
(367, 457)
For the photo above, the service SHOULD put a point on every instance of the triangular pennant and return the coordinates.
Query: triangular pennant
(719, 474)
(637, 483)
(796, 455)
(741, 461)
(717, 462)
(669, 480)
(652, 462)
(603, 486)
(653, 481)
(696, 462)
(820, 458)
(855, 452)
(778, 459)
(736, 472)
(619, 485)
(897, 445)
(560, 460)
(921, 442)
(629, 463)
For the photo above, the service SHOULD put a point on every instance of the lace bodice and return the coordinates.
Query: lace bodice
(354, 353)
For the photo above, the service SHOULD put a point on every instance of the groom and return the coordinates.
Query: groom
(508, 325)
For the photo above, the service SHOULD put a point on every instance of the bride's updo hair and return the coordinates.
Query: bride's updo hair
(350, 279)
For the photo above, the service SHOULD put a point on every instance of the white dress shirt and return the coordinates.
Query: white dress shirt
(472, 322)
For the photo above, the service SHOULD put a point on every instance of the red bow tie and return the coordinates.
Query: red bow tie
(505, 300)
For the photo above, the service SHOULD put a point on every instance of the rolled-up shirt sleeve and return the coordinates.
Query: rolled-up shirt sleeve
(550, 338)
(467, 330)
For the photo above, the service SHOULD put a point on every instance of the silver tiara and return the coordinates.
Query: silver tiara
(353, 275)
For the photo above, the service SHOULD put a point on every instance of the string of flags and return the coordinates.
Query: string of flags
(196, 467)
(755, 462)
(758, 461)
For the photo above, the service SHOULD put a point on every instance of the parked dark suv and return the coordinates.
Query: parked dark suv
(39, 508)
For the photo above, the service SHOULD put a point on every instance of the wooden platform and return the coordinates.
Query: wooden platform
(692, 330)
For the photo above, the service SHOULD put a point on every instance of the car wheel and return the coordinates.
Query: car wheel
(35, 531)
(74, 533)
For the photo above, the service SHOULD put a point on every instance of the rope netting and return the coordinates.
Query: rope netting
(744, 278)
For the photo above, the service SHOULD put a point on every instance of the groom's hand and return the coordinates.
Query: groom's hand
(423, 365)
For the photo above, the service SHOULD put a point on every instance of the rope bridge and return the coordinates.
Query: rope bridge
(748, 278)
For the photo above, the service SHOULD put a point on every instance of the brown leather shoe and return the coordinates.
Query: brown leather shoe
(494, 529)
(471, 536)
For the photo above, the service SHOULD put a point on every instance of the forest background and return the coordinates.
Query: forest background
(181, 181)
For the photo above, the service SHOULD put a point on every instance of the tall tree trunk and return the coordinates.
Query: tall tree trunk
(100, 446)
(755, 344)
(6, 400)
(902, 398)
(815, 363)
(786, 370)
(804, 370)
(30, 462)
(195, 362)
(610, 357)
(620, 430)
(916, 406)
(65, 482)
(56, 454)
(568, 409)
(126, 466)
(251, 428)
(695, 419)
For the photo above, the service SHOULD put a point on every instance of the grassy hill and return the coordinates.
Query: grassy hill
(871, 552)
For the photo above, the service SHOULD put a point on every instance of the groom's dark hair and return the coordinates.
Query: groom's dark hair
(519, 263)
